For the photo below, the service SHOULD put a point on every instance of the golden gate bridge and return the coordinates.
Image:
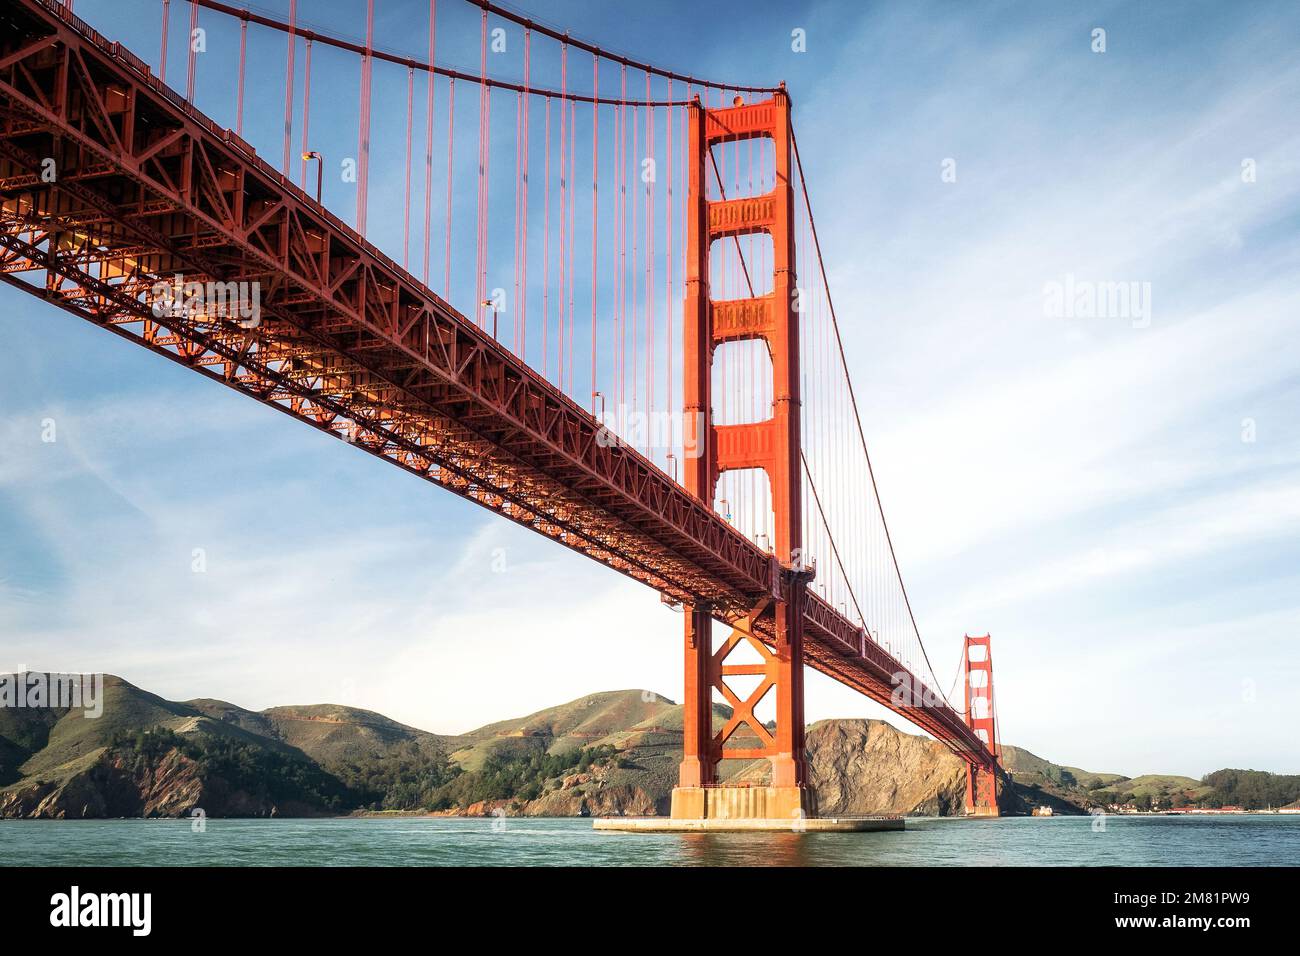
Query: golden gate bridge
(668, 393)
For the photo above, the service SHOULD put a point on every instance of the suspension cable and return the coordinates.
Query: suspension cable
(821, 264)
(412, 62)
(564, 37)
(830, 537)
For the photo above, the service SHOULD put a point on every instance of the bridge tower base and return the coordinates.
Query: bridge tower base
(748, 824)
(700, 795)
(981, 792)
(783, 804)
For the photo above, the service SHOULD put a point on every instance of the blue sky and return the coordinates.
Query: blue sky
(1078, 487)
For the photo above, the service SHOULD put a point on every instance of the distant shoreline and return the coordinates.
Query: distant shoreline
(456, 815)
(449, 814)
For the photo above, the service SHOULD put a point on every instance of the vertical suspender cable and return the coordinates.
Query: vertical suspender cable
(306, 114)
(480, 265)
(595, 207)
(288, 83)
(668, 258)
(239, 95)
(649, 259)
(519, 167)
(162, 56)
(564, 184)
(683, 139)
(406, 205)
(620, 209)
(528, 105)
(486, 221)
(191, 52)
(428, 144)
(687, 211)
(636, 245)
(451, 133)
(572, 258)
(363, 131)
(546, 245)
(616, 333)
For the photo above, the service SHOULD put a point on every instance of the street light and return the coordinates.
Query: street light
(320, 168)
(493, 304)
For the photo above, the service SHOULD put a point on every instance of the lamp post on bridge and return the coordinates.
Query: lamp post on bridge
(320, 169)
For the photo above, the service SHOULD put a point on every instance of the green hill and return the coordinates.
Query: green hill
(1024, 766)
(609, 718)
(1053, 784)
(643, 727)
(1253, 789)
(613, 752)
(54, 742)
(328, 733)
(1157, 785)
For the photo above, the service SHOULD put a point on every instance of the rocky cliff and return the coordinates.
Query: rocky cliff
(868, 766)
(112, 784)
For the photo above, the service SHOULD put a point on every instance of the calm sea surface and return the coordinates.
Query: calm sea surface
(417, 841)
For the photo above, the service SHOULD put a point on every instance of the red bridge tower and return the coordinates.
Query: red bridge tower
(981, 781)
(773, 446)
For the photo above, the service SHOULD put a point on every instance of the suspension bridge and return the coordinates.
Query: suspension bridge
(592, 300)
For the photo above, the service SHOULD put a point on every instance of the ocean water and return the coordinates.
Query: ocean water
(421, 841)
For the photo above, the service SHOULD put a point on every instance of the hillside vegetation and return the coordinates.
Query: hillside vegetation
(1252, 789)
(615, 752)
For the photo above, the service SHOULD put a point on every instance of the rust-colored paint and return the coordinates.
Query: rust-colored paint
(981, 780)
(772, 445)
